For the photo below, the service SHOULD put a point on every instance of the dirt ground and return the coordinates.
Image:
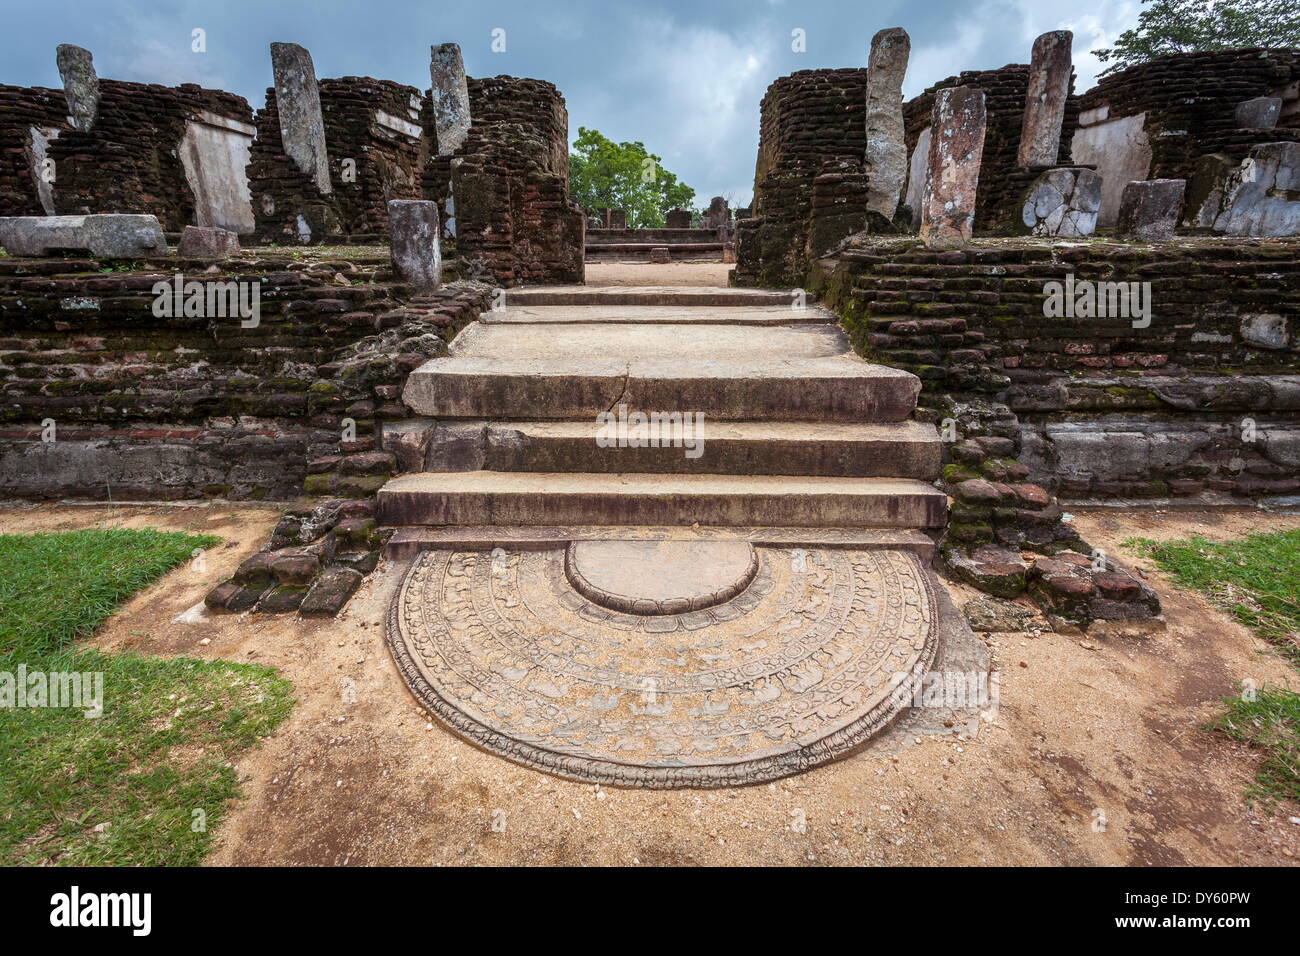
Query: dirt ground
(1095, 756)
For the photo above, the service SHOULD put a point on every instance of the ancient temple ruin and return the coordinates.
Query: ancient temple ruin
(949, 318)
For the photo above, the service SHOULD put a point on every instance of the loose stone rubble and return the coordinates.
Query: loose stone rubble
(1063, 202)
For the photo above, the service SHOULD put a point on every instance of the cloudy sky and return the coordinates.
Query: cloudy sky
(683, 76)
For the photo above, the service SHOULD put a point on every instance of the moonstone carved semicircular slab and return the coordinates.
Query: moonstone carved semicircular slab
(802, 667)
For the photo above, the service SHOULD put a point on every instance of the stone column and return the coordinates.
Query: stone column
(297, 100)
(80, 85)
(450, 95)
(956, 150)
(1049, 86)
(413, 234)
(886, 154)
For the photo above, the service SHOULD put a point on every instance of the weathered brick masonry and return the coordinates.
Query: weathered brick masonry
(513, 217)
(1003, 182)
(1104, 409)
(170, 408)
(372, 133)
(129, 162)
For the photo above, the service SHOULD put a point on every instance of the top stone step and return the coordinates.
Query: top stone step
(644, 295)
(658, 315)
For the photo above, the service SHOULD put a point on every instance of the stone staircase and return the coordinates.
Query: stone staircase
(802, 441)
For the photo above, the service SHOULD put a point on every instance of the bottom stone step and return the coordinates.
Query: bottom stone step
(408, 542)
(543, 498)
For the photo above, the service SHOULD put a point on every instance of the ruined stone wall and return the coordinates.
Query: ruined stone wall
(22, 111)
(1002, 181)
(1155, 120)
(513, 217)
(170, 408)
(812, 123)
(373, 134)
(1104, 409)
(132, 160)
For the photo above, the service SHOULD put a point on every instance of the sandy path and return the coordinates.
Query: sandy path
(358, 775)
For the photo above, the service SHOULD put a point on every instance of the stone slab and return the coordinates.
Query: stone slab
(629, 340)
(660, 314)
(540, 498)
(898, 449)
(644, 295)
(837, 388)
(105, 235)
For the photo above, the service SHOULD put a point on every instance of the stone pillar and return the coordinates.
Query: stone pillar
(449, 92)
(413, 234)
(886, 154)
(1049, 86)
(952, 177)
(297, 100)
(1148, 210)
(80, 85)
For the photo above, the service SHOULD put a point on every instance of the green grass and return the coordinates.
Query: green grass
(1257, 580)
(123, 788)
(1271, 723)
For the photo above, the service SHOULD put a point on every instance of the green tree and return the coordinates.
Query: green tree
(1187, 26)
(608, 175)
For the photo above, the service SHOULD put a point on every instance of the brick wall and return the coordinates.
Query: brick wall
(514, 219)
(1104, 409)
(168, 408)
(385, 161)
(128, 162)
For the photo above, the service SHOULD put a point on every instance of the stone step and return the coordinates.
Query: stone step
(895, 450)
(659, 314)
(834, 388)
(636, 340)
(644, 295)
(544, 498)
(406, 543)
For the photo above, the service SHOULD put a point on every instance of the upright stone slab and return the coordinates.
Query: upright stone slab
(413, 233)
(678, 219)
(886, 153)
(80, 85)
(108, 236)
(1148, 210)
(1049, 86)
(956, 150)
(449, 93)
(297, 100)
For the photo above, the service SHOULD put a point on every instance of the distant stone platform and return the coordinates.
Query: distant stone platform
(799, 668)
